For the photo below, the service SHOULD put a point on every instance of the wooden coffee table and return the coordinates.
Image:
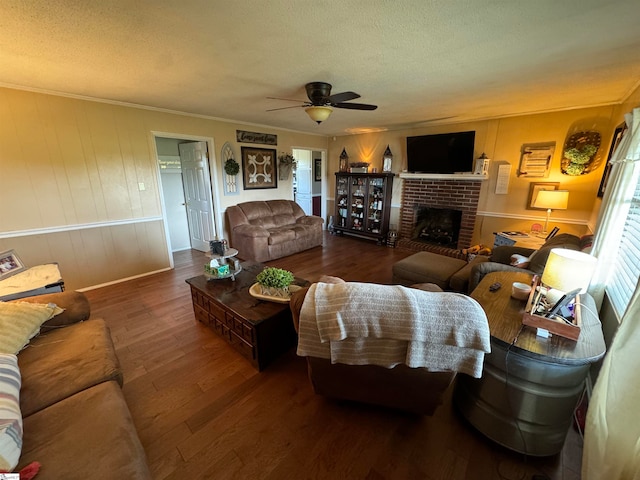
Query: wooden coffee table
(259, 330)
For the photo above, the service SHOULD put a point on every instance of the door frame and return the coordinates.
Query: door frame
(324, 181)
(212, 179)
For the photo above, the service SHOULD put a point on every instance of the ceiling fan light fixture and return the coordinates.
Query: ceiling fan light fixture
(318, 113)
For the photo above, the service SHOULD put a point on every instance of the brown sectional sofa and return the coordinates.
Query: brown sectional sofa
(76, 422)
(266, 230)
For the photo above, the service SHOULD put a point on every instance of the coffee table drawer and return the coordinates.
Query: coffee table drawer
(246, 349)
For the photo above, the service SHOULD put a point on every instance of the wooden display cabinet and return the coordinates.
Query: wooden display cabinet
(363, 204)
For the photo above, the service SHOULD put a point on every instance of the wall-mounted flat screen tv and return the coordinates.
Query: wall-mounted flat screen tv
(441, 153)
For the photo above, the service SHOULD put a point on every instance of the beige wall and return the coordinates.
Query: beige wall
(501, 140)
(71, 172)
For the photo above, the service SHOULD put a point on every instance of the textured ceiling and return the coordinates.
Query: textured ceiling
(418, 60)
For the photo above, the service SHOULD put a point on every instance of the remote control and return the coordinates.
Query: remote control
(495, 287)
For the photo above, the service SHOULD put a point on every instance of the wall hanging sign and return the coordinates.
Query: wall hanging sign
(256, 137)
(580, 155)
(535, 159)
(259, 168)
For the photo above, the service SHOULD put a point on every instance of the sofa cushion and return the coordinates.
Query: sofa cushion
(65, 361)
(87, 435)
(75, 305)
(281, 235)
(10, 415)
(20, 322)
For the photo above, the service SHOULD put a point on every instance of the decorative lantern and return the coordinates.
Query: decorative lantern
(344, 161)
(482, 165)
(387, 158)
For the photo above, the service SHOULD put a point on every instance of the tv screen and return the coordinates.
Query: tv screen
(441, 153)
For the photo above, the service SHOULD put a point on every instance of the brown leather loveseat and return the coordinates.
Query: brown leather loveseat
(266, 230)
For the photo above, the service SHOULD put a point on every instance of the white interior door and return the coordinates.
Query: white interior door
(303, 180)
(197, 193)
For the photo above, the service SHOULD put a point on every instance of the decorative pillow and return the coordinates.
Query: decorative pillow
(519, 261)
(20, 322)
(10, 415)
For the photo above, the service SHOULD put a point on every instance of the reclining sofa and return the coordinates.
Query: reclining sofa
(266, 230)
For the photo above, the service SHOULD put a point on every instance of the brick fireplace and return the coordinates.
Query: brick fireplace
(420, 193)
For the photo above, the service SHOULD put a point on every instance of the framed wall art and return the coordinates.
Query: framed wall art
(317, 169)
(259, 168)
(10, 264)
(534, 188)
(617, 136)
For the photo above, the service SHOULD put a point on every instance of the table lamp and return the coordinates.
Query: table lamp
(567, 270)
(551, 200)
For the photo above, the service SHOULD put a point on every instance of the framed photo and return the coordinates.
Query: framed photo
(10, 264)
(534, 188)
(617, 136)
(317, 169)
(259, 168)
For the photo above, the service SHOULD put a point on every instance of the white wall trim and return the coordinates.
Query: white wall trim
(78, 226)
(120, 280)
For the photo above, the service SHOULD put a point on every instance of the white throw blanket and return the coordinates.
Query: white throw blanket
(387, 325)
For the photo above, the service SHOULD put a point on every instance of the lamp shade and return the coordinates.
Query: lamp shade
(552, 199)
(568, 270)
(318, 113)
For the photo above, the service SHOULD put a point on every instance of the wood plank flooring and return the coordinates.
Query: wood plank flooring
(202, 412)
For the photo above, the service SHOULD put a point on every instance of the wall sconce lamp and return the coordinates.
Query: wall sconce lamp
(551, 200)
(318, 113)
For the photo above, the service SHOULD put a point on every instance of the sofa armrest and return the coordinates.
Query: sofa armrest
(75, 304)
(251, 231)
(310, 220)
(502, 254)
(481, 269)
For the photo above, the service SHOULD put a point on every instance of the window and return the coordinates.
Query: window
(625, 272)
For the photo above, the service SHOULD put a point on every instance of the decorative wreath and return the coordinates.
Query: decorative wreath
(231, 167)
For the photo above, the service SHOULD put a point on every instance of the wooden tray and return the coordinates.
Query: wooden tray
(556, 327)
(254, 291)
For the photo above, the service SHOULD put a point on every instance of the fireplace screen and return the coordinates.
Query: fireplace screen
(438, 226)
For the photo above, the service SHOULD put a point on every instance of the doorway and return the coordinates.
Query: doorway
(188, 199)
(310, 185)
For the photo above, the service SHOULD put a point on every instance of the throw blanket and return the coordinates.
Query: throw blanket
(387, 325)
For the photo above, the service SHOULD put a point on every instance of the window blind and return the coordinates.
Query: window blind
(624, 274)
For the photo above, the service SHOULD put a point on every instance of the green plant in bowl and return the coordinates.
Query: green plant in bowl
(275, 281)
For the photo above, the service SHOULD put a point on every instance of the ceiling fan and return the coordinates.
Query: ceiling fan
(321, 103)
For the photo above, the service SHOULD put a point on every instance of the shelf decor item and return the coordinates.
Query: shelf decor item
(359, 167)
(275, 282)
(387, 160)
(580, 154)
(344, 161)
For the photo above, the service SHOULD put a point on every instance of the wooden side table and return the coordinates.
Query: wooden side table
(530, 385)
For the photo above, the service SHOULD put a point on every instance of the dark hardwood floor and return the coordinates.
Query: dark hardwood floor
(202, 411)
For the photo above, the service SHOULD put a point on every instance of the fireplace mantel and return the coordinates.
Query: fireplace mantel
(463, 177)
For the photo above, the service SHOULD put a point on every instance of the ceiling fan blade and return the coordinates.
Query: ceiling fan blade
(342, 97)
(285, 108)
(286, 99)
(354, 106)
